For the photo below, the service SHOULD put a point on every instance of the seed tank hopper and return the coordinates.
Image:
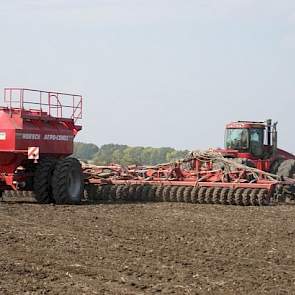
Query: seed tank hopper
(37, 130)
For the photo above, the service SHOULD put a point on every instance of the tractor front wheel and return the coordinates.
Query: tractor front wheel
(68, 182)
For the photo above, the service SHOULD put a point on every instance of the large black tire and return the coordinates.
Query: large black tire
(42, 181)
(275, 165)
(287, 169)
(68, 182)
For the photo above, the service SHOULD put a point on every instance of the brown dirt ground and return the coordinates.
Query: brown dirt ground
(153, 248)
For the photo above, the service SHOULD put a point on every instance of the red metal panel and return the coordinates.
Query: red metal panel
(34, 118)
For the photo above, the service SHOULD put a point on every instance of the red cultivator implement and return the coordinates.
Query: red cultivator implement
(203, 177)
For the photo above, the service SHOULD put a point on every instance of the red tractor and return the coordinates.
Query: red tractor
(255, 144)
(37, 130)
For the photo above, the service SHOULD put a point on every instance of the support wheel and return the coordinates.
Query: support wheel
(194, 195)
(209, 195)
(166, 193)
(254, 197)
(216, 195)
(201, 195)
(231, 197)
(68, 182)
(121, 193)
(173, 194)
(152, 191)
(145, 193)
(113, 193)
(187, 194)
(238, 199)
(179, 193)
(159, 192)
(246, 197)
(263, 198)
(131, 192)
(91, 192)
(223, 196)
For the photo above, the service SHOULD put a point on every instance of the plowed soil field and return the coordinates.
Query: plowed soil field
(151, 248)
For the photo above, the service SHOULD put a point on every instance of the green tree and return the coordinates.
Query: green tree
(85, 151)
(126, 155)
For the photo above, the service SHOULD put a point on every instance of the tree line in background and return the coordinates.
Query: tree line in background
(125, 155)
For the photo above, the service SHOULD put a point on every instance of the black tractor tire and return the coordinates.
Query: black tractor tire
(68, 182)
(287, 169)
(275, 165)
(42, 181)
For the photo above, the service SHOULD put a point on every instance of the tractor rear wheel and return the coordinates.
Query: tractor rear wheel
(68, 182)
(287, 169)
(42, 181)
(275, 165)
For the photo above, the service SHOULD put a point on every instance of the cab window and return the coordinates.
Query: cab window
(256, 141)
(256, 136)
(237, 139)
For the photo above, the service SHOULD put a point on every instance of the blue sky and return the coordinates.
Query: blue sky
(157, 72)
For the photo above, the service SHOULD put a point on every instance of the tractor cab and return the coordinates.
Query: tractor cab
(257, 139)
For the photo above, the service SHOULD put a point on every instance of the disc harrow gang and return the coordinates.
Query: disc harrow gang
(173, 193)
(201, 178)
